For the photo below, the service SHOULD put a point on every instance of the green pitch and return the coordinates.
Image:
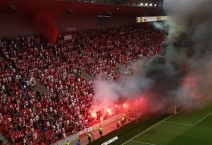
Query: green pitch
(188, 126)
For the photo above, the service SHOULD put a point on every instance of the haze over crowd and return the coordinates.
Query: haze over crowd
(186, 54)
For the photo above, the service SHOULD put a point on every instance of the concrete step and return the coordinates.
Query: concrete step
(4, 139)
(40, 88)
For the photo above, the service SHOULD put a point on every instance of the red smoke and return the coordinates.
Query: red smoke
(45, 22)
(134, 106)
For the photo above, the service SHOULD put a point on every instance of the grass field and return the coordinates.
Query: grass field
(188, 126)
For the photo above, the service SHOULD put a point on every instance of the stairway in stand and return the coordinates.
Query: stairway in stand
(4, 139)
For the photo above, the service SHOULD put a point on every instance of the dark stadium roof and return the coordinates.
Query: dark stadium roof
(91, 7)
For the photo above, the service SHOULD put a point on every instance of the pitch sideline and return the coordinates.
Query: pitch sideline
(154, 125)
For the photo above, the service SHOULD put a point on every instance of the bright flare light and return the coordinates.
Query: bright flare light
(150, 4)
(125, 105)
(109, 111)
(146, 4)
(93, 114)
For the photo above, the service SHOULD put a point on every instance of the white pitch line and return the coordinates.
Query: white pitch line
(142, 142)
(179, 123)
(153, 126)
(202, 119)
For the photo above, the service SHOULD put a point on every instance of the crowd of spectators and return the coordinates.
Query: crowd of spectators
(31, 117)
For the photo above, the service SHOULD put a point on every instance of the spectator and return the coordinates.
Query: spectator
(78, 142)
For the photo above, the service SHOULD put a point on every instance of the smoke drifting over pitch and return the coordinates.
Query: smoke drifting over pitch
(186, 51)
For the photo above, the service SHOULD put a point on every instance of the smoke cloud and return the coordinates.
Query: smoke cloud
(159, 25)
(45, 22)
(185, 52)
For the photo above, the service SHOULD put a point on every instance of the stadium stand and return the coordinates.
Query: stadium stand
(33, 116)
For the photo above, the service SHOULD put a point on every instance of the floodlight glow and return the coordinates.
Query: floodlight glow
(150, 4)
(146, 4)
(155, 5)
(141, 4)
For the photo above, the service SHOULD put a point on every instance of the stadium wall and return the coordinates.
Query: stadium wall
(83, 133)
(14, 24)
